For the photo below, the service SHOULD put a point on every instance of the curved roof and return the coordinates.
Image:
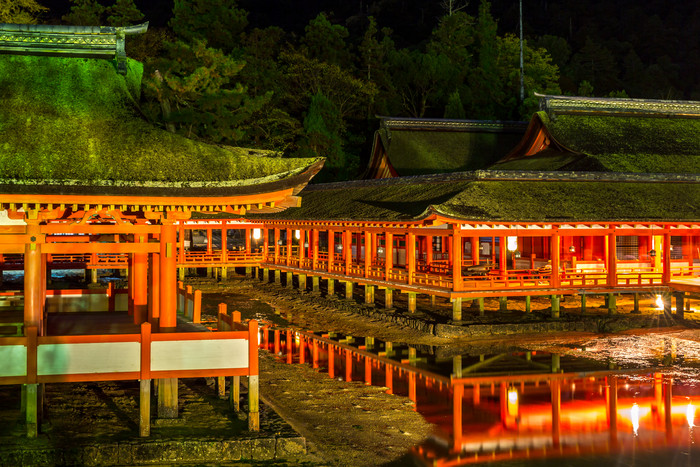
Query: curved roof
(71, 126)
(505, 196)
(610, 135)
(413, 146)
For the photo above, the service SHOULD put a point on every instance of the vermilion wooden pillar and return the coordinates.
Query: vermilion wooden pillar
(277, 245)
(248, 248)
(428, 251)
(302, 241)
(210, 240)
(289, 246)
(502, 255)
(347, 250)
(33, 296)
(475, 250)
(457, 259)
(587, 254)
(168, 279)
(224, 241)
(368, 252)
(554, 247)
(611, 265)
(331, 249)
(313, 242)
(154, 291)
(266, 243)
(410, 256)
(140, 282)
(666, 258)
(388, 255)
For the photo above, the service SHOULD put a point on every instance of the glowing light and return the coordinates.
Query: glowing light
(690, 414)
(257, 233)
(512, 243)
(513, 402)
(297, 234)
(634, 417)
(659, 302)
(297, 339)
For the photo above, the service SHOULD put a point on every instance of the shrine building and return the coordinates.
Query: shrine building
(87, 180)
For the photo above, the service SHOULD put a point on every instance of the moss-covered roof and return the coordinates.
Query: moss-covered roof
(613, 135)
(422, 146)
(76, 121)
(504, 197)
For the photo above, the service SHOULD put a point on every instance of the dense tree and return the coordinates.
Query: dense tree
(322, 136)
(123, 13)
(219, 23)
(326, 42)
(200, 87)
(85, 13)
(20, 11)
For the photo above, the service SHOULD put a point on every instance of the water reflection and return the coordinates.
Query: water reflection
(523, 405)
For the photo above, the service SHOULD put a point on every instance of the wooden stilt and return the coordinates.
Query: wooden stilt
(527, 304)
(369, 294)
(612, 304)
(412, 302)
(221, 387)
(32, 410)
(167, 398)
(457, 309)
(555, 306)
(145, 408)
(253, 403)
(503, 303)
(234, 394)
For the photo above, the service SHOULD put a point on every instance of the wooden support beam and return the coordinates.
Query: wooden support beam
(167, 398)
(253, 403)
(554, 299)
(145, 408)
(456, 310)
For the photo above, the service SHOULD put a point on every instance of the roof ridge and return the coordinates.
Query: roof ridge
(553, 104)
(445, 124)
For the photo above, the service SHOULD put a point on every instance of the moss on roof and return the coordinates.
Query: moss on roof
(629, 143)
(64, 118)
(417, 152)
(575, 201)
(463, 197)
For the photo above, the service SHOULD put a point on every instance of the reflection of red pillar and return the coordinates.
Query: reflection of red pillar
(476, 395)
(658, 397)
(315, 354)
(503, 402)
(289, 346)
(348, 365)
(331, 361)
(277, 341)
(302, 349)
(668, 384)
(612, 409)
(168, 277)
(555, 387)
(412, 388)
(389, 377)
(457, 393)
(368, 371)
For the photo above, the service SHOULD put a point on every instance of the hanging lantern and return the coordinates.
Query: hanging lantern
(652, 253)
(257, 233)
(512, 243)
(572, 249)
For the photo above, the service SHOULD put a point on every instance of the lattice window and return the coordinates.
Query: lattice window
(627, 248)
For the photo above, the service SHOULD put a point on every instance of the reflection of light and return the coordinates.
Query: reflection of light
(659, 302)
(512, 402)
(260, 337)
(512, 243)
(257, 234)
(690, 414)
(634, 416)
(297, 234)
(296, 339)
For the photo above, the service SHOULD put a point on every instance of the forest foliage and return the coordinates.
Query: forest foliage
(216, 72)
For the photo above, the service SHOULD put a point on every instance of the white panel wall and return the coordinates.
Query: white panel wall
(196, 355)
(104, 357)
(14, 360)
